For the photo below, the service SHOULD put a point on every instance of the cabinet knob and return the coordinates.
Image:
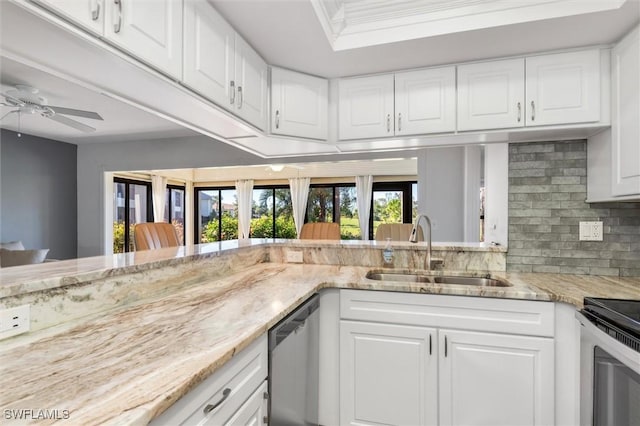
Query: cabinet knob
(118, 19)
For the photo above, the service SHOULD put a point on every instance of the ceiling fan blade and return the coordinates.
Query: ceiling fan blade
(72, 123)
(76, 112)
(13, 100)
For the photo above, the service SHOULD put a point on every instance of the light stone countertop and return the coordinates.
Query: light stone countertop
(127, 365)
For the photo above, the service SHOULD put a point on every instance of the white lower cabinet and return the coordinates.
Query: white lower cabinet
(233, 395)
(495, 379)
(388, 374)
(409, 359)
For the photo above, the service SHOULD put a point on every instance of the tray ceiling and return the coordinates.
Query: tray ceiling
(350, 24)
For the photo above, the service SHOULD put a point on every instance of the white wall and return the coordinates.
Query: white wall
(441, 195)
(200, 151)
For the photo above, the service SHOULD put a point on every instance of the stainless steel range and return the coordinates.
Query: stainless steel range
(610, 362)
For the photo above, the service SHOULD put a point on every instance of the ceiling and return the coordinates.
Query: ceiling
(288, 33)
(122, 122)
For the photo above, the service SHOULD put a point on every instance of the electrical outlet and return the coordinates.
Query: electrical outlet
(293, 256)
(590, 231)
(596, 231)
(14, 321)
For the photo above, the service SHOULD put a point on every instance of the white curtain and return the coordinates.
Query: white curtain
(299, 194)
(244, 189)
(364, 192)
(159, 195)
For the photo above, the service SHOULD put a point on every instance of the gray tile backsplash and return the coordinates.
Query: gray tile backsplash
(547, 192)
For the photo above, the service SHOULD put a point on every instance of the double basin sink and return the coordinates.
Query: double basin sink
(411, 277)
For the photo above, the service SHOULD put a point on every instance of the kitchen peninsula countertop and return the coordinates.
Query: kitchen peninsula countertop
(127, 365)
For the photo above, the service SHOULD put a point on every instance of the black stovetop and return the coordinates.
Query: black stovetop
(615, 316)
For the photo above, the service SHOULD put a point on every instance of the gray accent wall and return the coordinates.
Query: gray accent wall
(38, 193)
(547, 192)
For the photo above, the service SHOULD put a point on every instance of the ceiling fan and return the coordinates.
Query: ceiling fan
(26, 100)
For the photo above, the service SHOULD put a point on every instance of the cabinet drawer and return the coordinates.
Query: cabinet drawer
(470, 313)
(242, 375)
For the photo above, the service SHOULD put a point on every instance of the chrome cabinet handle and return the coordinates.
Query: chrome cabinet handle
(388, 123)
(240, 98)
(533, 111)
(399, 121)
(95, 10)
(277, 119)
(210, 407)
(519, 112)
(430, 346)
(232, 92)
(118, 26)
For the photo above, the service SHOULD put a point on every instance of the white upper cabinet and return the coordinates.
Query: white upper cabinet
(86, 13)
(365, 107)
(150, 30)
(425, 101)
(251, 84)
(563, 88)
(625, 125)
(495, 379)
(208, 52)
(491, 95)
(299, 104)
(406, 103)
(221, 66)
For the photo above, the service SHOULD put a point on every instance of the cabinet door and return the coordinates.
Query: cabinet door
(208, 52)
(86, 13)
(150, 30)
(425, 101)
(253, 412)
(491, 95)
(625, 125)
(251, 84)
(366, 107)
(299, 104)
(563, 88)
(494, 379)
(388, 374)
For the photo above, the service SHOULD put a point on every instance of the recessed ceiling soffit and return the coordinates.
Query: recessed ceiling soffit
(350, 24)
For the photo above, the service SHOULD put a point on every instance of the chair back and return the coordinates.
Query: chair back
(320, 231)
(149, 236)
(397, 232)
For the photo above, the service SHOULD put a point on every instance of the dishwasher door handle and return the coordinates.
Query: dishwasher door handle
(293, 323)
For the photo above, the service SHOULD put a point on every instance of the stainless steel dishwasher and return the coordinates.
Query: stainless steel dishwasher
(293, 367)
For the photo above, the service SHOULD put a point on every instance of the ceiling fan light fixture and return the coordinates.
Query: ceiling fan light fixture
(276, 167)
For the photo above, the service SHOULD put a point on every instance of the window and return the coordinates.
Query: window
(272, 213)
(131, 204)
(393, 202)
(335, 203)
(173, 209)
(216, 214)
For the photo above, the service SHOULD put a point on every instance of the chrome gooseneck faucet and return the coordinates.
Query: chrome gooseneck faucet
(413, 238)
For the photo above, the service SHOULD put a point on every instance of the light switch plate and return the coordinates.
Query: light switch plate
(293, 256)
(14, 321)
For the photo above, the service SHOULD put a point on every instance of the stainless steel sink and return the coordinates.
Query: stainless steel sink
(398, 276)
(483, 282)
(421, 277)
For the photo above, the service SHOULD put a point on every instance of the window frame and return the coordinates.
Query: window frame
(406, 187)
(184, 200)
(127, 224)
